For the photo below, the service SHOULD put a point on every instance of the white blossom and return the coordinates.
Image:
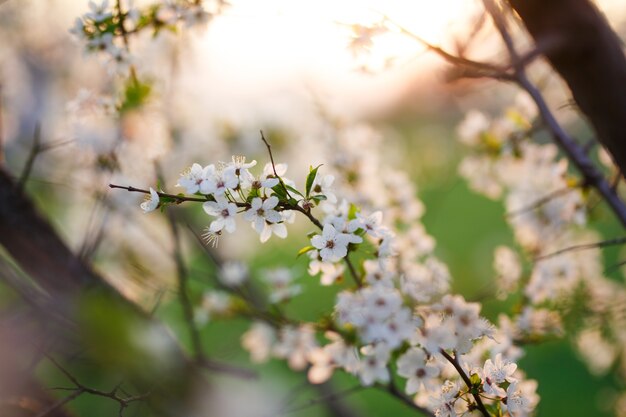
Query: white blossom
(413, 366)
(332, 245)
(225, 211)
(258, 341)
(151, 203)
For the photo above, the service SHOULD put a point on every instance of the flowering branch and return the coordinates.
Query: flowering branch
(455, 362)
(177, 198)
(574, 151)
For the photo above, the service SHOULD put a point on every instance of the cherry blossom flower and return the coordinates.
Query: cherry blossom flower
(332, 245)
(295, 344)
(98, 12)
(281, 286)
(233, 273)
(224, 180)
(412, 365)
(521, 398)
(151, 203)
(334, 355)
(258, 341)
(373, 366)
(198, 179)
(495, 373)
(507, 265)
(372, 224)
(444, 404)
(265, 220)
(225, 212)
(331, 272)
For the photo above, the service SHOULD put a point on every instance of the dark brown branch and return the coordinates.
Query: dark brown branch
(575, 152)
(2, 140)
(183, 290)
(473, 69)
(393, 389)
(60, 403)
(353, 273)
(123, 402)
(589, 57)
(332, 396)
(30, 161)
(455, 362)
(177, 198)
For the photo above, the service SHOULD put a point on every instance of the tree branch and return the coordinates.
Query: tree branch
(589, 57)
(455, 362)
(576, 153)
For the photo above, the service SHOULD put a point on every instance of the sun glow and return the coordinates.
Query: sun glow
(260, 47)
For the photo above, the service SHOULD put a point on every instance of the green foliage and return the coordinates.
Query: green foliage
(136, 94)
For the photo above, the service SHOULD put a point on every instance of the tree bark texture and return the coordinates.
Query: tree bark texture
(581, 46)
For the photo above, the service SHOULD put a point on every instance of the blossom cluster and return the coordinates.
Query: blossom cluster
(547, 211)
(106, 27)
(397, 317)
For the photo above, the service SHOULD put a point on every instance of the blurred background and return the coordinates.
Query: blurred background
(287, 68)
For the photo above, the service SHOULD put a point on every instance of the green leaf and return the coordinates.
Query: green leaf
(310, 178)
(135, 95)
(475, 380)
(318, 198)
(305, 250)
(293, 190)
(280, 191)
(494, 409)
(352, 212)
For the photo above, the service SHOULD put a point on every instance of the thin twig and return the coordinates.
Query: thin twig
(269, 151)
(594, 245)
(478, 69)
(333, 396)
(540, 202)
(35, 150)
(183, 290)
(393, 389)
(353, 272)
(123, 402)
(60, 403)
(177, 198)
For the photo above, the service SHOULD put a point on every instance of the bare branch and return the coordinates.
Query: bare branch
(123, 402)
(470, 68)
(330, 397)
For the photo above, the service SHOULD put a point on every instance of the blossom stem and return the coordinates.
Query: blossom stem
(575, 152)
(353, 273)
(393, 389)
(177, 198)
(455, 362)
(183, 290)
